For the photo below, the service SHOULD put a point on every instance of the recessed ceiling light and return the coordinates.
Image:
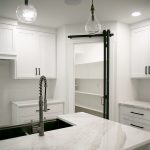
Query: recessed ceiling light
(136, 14)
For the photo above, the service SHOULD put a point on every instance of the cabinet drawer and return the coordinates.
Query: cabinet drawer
(133, 123)
(135, 112)
(54, 108)
(28, 111)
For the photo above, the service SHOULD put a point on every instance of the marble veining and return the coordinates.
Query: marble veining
(88, 133)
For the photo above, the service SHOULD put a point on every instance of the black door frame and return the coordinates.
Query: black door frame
(106, 34)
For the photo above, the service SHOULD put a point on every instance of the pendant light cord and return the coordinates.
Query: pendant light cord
(92, 11)
(26, 2)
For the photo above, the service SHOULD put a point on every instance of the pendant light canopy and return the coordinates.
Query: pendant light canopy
(26, 13)
(92, 26)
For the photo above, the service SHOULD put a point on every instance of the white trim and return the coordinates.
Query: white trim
(7, 56)
(70, 68)
(8, 21)
(140, 24)
(37, 28)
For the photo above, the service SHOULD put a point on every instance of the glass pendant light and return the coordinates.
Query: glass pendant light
(26, 13)
(92, 26)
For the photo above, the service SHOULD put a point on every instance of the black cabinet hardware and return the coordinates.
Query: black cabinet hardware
(39, 71)
(36, 71)
(146, 70)
(46, 110)
(136, 126)
(136, 113)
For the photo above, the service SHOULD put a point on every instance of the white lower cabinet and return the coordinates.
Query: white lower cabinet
(135, 117)
(27, 111)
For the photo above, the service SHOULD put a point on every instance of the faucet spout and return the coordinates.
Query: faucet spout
(41, 120)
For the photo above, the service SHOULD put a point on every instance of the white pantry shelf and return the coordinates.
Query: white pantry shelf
(100, 111)
(89, 78)
(86, 63)
(87, 93)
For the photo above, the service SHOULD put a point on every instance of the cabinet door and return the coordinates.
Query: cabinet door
(47, 45)
(139, 52)
(27, 54)
(6, 39)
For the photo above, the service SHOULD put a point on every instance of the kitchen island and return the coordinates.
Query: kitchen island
(87, 133)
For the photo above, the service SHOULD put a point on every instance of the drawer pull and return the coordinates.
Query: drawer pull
(43, 110)
(146, 70)
(136, 113)
(137, 126)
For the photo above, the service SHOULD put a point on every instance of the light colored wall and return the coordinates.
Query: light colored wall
(144, 90)
(126, 88)
(60, 89)
(17, 90)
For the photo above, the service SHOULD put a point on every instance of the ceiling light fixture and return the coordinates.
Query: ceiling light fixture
(26, 13)
(92, 26)
(136, 14)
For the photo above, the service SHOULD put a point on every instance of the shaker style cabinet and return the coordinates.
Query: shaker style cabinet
(140, 52)
(7, 40)
(47, 46)
(36, 54)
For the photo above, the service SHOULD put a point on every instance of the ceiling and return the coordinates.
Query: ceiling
(55, 13)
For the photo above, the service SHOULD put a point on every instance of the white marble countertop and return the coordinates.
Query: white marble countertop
(88, 133)
(136, 103)
(34, 102)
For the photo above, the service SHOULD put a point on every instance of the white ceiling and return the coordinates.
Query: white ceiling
(55, 13)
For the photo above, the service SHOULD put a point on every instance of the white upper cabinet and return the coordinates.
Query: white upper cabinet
(140, 52)
(47, 47)
(28, 56)
(7, 39)
(36, 54)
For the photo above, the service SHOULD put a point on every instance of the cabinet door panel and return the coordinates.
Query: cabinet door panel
(6, 39)
(26, 54)
(139, 52)
(47, 44)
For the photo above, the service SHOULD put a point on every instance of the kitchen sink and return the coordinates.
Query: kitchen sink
(27, 129)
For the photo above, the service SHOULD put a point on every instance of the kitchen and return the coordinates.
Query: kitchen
(42, 47)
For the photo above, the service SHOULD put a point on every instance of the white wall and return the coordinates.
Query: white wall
(60, 89)
(88, 52)
(126, 88)
(17, 90)
(144, 89)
